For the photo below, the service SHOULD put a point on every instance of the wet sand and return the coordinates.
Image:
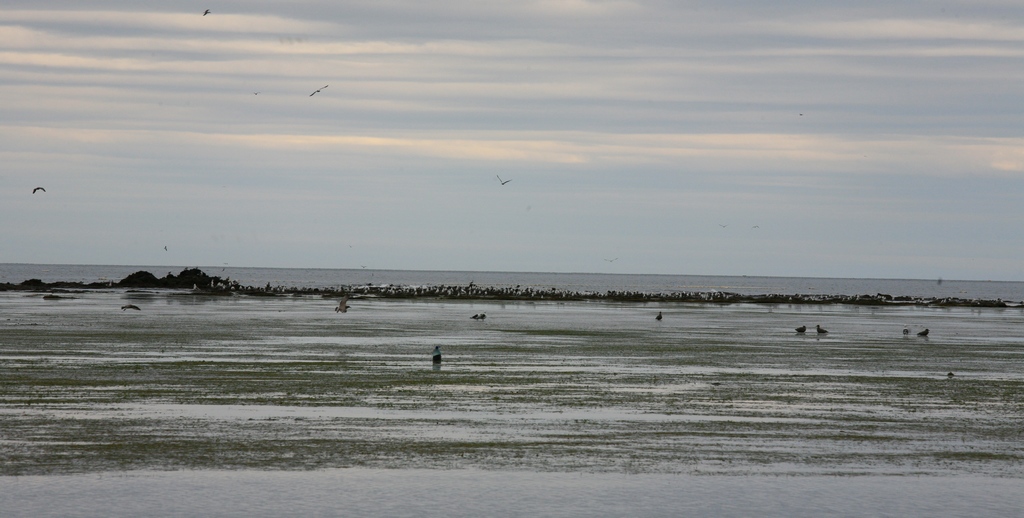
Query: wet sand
(285, 383)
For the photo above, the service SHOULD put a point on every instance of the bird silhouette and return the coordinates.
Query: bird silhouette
(206, 12)
(801, 329)
(318, 90)
(923, 333)
(659, 317)
(821, 331)
(342, 305)
(130, 306)
(38, 189)
(503, 182)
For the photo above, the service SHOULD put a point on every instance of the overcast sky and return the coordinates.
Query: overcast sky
(791, 138)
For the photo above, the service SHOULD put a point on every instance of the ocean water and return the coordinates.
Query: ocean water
(586, 282)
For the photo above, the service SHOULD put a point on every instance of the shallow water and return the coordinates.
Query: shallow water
(396, 493)
(543, 408)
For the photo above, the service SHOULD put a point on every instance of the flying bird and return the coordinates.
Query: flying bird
(206, 12)
(38, 189)
(165, 249)
(318, 90)
(801, 329)
(503, 182)
(612, 260)
(130, 306)
(342, 306)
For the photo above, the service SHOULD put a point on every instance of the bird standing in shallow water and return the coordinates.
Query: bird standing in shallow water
(658, 317)
(820, 330)
(801, 329)
(923, 333)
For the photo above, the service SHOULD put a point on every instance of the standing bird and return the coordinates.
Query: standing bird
(38, 189)
(801, 329)
(206, 12)
(906, 331)
(318, 90)
(820, 330)
(130, 306)
(923, 333)
(342, 305)
(436, 356)
(658, 317)
(503, 182)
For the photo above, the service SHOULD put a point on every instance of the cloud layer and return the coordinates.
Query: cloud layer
(683, 137)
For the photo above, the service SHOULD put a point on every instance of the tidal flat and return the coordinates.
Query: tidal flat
(193, 382)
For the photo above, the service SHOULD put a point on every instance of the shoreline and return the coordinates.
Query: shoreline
(197, 282)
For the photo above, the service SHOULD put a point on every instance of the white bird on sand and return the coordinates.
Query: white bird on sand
(342, 306)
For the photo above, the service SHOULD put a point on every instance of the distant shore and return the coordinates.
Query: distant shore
(199, 283)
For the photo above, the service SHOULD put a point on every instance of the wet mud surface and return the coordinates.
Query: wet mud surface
(285, 383)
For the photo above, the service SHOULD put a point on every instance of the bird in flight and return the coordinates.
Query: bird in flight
(723, 226)
(612, 260)
(165, 248)
(130, 306)
(255, 93)
(318, 90)
(38, 189)
(342, 306)
(206, 12)
(503, 182)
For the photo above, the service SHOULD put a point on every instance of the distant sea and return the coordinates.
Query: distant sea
(585, 282)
